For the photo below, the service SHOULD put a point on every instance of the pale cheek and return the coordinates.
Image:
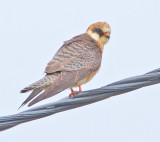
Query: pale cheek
(95, 36)
(104, 40)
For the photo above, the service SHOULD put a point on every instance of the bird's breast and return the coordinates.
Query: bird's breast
(87, 78)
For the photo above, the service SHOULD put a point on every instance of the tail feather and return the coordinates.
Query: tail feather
(39, 86)
(34, 93)
(45, 81)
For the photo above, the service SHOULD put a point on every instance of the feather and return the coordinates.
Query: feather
(74, 61)
(34, 93)
(45, 81)
(66, 80)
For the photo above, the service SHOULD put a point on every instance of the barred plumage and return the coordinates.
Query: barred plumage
(42, 83)
(74, 64)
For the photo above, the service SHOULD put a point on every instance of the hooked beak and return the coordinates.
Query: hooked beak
(107, 35)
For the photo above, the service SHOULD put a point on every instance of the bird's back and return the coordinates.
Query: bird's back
(76, 60)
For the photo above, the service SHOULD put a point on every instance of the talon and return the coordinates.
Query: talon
(75, 92)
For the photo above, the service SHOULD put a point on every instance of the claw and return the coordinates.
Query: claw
(75, 92)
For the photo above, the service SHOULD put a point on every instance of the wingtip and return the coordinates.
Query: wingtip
(36, 100)
(21, 106)
(30, 104)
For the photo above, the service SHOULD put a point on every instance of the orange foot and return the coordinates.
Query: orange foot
(75, 92)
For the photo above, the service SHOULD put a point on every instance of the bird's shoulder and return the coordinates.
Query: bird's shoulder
(75, 54)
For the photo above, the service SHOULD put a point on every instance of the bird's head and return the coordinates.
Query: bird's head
(100, 32)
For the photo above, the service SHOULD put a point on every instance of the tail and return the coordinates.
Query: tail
(38, 87)
(44, 82)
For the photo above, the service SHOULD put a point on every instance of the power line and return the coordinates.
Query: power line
(81, 99)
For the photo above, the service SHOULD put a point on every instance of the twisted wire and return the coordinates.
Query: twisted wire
(81, 99)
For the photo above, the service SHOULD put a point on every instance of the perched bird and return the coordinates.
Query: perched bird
(75, 63)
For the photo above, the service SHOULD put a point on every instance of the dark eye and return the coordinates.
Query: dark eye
(99, 31)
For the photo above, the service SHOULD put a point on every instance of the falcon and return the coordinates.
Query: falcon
(74, 64)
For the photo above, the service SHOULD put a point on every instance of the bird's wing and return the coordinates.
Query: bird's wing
(64, 81)
(71, 50)
(34, 93)
(77, 60)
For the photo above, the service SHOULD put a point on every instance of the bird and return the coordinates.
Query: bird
(74, 64)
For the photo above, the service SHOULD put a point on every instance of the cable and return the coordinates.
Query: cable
(81, 99)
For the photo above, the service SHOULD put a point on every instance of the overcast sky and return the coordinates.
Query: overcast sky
(31, 31)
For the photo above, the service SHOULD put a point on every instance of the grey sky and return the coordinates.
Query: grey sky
(32, 31)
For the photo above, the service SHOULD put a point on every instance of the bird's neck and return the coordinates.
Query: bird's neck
(100, 45)
(96, 37)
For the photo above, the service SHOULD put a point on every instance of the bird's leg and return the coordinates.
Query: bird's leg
(80, 89)
(75, 92)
